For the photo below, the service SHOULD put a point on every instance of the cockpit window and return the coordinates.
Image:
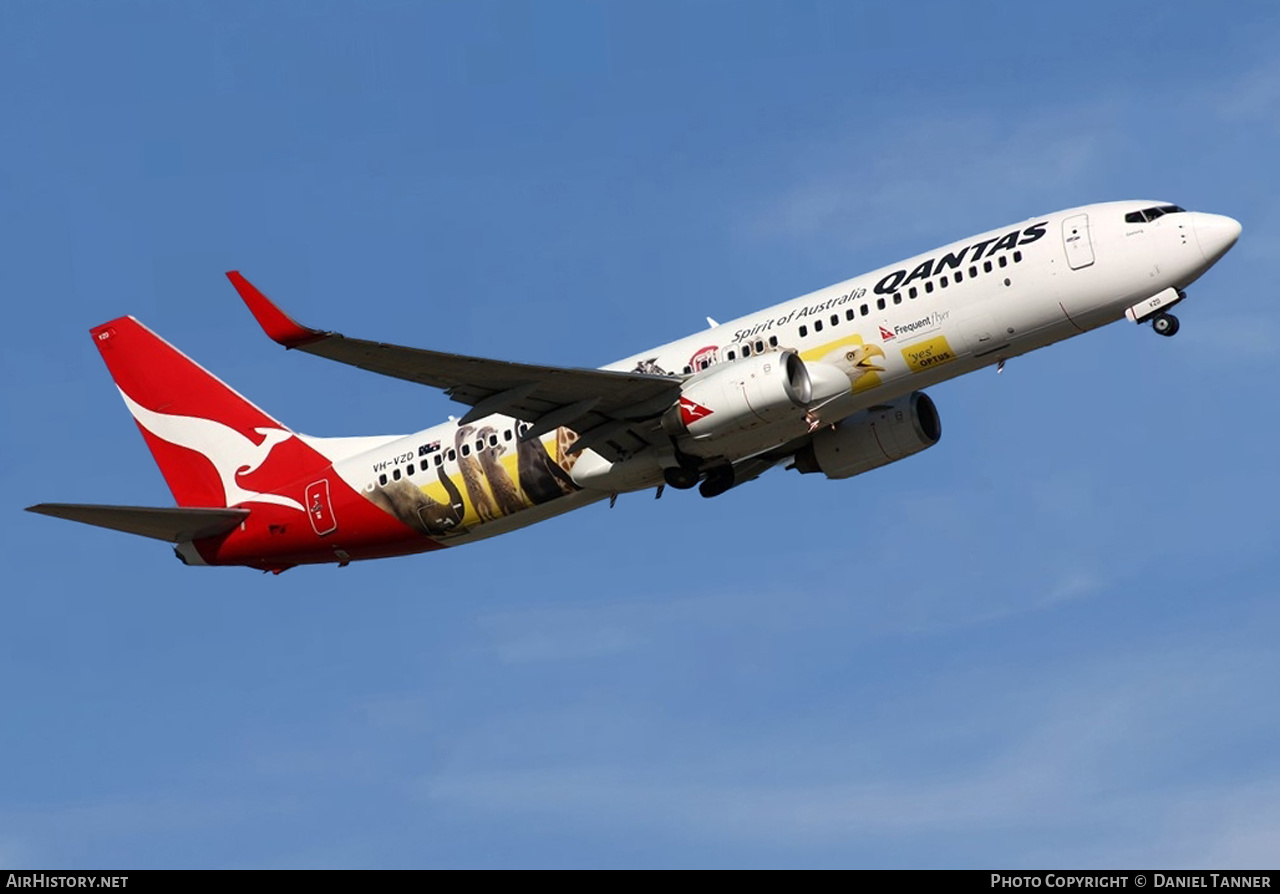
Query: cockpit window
(1146, 215)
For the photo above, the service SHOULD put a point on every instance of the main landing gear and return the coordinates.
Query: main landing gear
(718, 480)
(1165, 324)
(715, 480)
(680, 477)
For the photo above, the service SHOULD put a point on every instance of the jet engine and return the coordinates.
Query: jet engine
(872, 438)
(755, 391)
(742, 395)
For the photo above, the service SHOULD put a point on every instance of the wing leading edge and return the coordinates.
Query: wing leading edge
(615, 413)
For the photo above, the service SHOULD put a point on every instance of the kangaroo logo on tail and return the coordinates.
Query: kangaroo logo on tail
(230, 452)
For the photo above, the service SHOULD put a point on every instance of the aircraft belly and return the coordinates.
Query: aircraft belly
(529, 516)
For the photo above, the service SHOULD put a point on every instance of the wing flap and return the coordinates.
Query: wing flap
(176, 525)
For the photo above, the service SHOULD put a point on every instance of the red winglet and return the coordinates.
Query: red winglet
(282, 328)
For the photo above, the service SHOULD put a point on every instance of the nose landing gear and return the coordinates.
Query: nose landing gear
(1165, 324)
(1155, 310)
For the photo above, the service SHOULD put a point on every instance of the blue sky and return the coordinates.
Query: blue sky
(1049, 641)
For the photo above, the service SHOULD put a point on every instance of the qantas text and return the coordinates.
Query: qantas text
(899, 278)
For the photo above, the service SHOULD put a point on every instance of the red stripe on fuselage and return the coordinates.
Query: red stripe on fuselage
(275, 537)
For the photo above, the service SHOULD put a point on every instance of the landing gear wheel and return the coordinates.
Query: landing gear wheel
(717, 482)
(680, 478)
(1165, 324)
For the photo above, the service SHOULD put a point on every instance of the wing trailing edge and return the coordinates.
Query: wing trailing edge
(619, 409)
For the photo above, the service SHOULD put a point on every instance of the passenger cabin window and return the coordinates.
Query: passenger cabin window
(943, 282)
(409, 471)
(733, 356)
(848, 314)
(1003, 261)
(897, 297)
(959, 276)
(382, 479)
(973, 272)
(1017, 257)
(804, 330)
(395, 474)
(773, 340)
(913, 293)
(835, 319)
(746, 350)
(928, 285)
(817, 325)
(864, 310)
(986, 266)
(879, 304)
(466, 449)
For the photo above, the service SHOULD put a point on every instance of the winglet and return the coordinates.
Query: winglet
(282, 328)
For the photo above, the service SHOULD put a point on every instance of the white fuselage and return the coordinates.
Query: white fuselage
(892, 331)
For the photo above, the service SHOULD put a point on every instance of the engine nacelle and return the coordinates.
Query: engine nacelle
(873, 438)
(742, 395)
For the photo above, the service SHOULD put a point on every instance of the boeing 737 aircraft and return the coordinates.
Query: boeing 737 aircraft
(827, 383)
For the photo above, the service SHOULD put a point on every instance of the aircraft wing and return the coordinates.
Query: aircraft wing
(615, 413)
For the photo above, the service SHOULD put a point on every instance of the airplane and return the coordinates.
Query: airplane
(828, 383)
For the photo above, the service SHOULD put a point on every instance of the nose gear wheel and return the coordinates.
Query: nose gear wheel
(1165, 324)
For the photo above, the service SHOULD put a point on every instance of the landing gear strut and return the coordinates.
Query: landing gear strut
(1165, 324)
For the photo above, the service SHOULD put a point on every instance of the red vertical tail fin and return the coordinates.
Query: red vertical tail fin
(214, 447)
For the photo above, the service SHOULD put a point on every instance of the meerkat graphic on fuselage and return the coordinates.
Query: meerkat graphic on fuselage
(406, 501)
(473, 477)
(450, 516)
(505, 491)
(540, 478)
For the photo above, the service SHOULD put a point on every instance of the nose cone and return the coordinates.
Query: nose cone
(1216, 233)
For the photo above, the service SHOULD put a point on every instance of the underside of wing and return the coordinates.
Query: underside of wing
(615, 413)
(175, 525)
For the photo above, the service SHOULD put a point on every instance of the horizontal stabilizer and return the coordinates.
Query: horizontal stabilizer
(174, 525)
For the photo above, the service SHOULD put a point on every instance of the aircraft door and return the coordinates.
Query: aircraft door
(1075, 239)
(319, 508)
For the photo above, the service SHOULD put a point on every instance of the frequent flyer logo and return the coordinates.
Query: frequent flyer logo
(919, 326)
